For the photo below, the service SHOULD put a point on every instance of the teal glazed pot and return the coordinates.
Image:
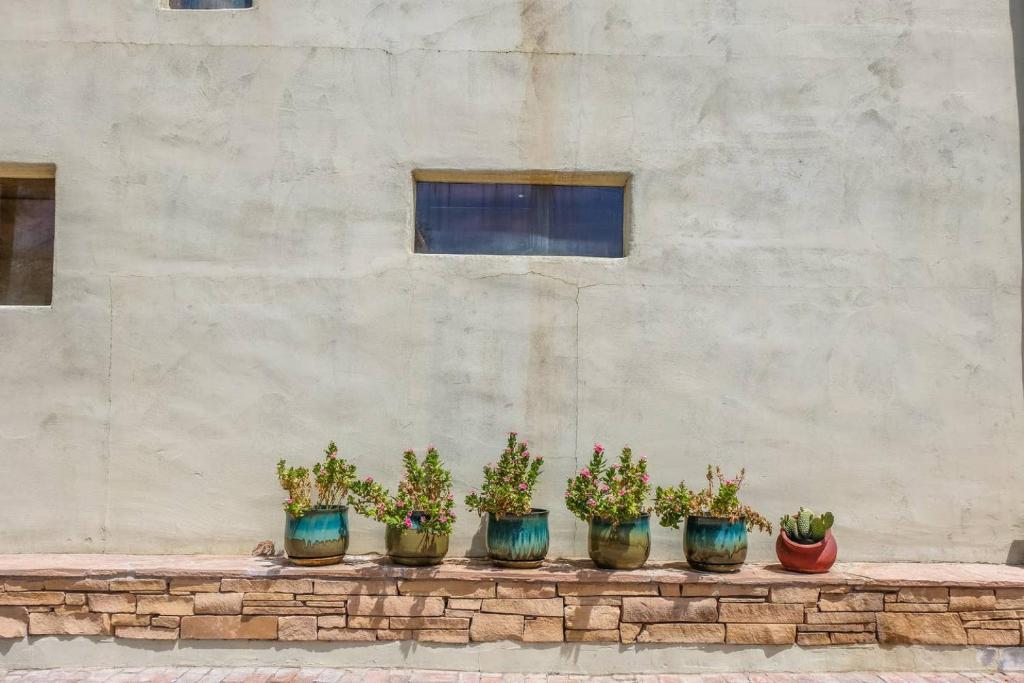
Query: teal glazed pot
(623, 546)
(413, 546)
(714, 544)
(518, 541)
(318, 537)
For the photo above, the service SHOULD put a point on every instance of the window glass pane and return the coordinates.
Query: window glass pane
(26, 241)
(211, 4)
(505, 218)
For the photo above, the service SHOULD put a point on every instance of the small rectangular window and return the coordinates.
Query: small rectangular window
(528, 213)
(26, 234)
(210, 4)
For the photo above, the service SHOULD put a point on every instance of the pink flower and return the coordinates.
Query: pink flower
(591, 502)
(472, 492)
(522, 486)
(598, 448)
(514, 433)
(443, 518)
(526, 454)
(566, 494)
(604, 488)
(622, 492)
(646, 478)
(524, 443)
(290, 501)
(585, 473)
(369, 480)
(423, 520)
(539, 459)
(407, 523)
(643, 458)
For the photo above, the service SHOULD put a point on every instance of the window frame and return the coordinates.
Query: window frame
(18, 170)
(623, 179)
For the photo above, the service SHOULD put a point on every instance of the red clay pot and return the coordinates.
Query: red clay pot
(817, 558)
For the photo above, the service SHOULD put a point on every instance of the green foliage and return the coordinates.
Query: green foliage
(333, 478)
(617, 493)
(508, 486)
(805, 527)
(675, 503)
(424, 499)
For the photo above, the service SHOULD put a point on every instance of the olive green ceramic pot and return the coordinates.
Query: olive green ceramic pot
(623, 546)
(414, 547)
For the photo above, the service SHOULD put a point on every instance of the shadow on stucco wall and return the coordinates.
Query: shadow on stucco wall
(1016, 552)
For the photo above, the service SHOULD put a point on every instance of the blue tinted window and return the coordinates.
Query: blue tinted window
(534, 220)
(211, 4)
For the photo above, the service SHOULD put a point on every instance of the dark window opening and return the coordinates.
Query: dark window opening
(210, 4)
(519, 218)
(26, 236)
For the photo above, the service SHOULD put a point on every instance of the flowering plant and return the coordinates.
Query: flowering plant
(333, 479)
(508, 486)
(425, 492)
(617, 493)
(676, 503)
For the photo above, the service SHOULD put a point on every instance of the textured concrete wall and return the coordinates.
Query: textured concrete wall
(823, 281)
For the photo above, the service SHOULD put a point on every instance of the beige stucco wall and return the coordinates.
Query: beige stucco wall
(823, 281)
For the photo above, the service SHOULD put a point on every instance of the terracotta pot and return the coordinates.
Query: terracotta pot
(816, 558)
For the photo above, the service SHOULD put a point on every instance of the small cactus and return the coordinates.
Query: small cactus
(804, 527)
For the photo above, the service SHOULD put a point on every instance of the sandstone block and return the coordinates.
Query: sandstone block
(218, 603)
(433, 635)
(112, 602)
(996, 637)
(296, 628)
(658, 609)
(833, 628)
(794, 594)
(593, 618)
(146, 633)
(612, 600)
(813, 639)
(604, 636)
(760, 634)
(75, 599)
(761, 613)
(13, 622)
(582, 589)
(267, 585)
(335, 621)
(853, 638)
(491, 627)
(1010, 598)
(1001, 624)
(921, 629)
(915, 607)
(544, 630)
(539, 607)
(174, 605)
(32, 598)
(210, 627)
(396, 605)
(682, 633)
(394, 634)
(284, 611)
(525, 589)
(840, 617)
(448, 589)
(268, 597)
(346, 634)
(354, 587)
(165, 622)
(84, 585)
(628, 632)
(183, 585)
(971, 599)
(416, 623)
(717, 590)
(851, 602)
(670, 590)
(464, 604)
(923, 594)
(138, 585)
(129, 619)
(52, 624)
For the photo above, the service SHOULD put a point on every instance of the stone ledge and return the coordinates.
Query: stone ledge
(896, 574)
(463, 601)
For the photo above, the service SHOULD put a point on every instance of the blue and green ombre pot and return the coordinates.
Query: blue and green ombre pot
(714, 544)
(518, 541)
(623, 546)
(318, 537)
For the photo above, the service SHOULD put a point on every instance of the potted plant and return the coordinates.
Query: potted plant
(517, 532)
(613, 501)
(419, 517)
(317, 533)
(716, 522)
(805, 543)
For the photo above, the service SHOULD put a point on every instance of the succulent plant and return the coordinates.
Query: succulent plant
(805, 527)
